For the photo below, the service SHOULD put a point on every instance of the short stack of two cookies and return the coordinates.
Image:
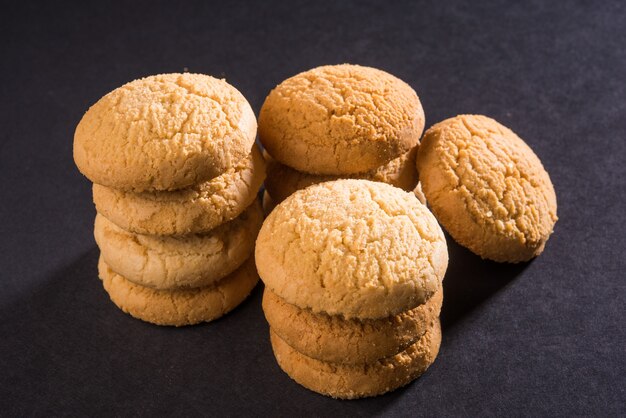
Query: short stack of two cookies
(353, 272)
(176, 176)
(340, 121)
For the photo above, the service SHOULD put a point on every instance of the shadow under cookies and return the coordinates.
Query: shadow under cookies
(471, 280)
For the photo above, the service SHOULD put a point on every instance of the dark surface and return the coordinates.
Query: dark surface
(547, 337)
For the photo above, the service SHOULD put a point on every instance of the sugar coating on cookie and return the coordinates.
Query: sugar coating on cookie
(487, 188)
(167, 262)
(355, 248)
(337, 340)
(351, 381)
(340, 119)
(282, 181)
(196, 209)
(179, 307)
(164, 132)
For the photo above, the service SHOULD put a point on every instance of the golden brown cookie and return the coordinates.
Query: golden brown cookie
(166, 262)
(348, 381)
(179, 307)
(348, 341)
(282, 181)
(487, 188)
(164, 132)
(196, 209)
(340, 119)
(356, 248)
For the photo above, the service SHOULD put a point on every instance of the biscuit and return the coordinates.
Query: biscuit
(340, 119)
(419, 193)
(355, 248)
(166, 262)
(282, 181)
(336, 340)
(196, 209)
(179, 307)
(487, 188)
(164, 132)
(268, 203)
(351, 381)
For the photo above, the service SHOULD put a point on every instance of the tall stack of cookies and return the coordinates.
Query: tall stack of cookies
(176, 174)
(353, 274)
(340, 121)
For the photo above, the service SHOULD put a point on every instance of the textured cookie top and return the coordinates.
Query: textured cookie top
(340, 119)
(355, 248)
(282, 180)
(196, 209)
(164, 132)
(487, 187)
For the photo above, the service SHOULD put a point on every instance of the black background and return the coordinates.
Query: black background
(546, 337)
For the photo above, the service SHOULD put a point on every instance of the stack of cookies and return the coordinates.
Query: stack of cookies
(353, 274)
(340, 121)
(176, 175)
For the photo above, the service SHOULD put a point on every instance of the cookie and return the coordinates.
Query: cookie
(356, 248)
(419, 193)
(268, 203)
(351, 381)
(340, 119)
(487, 188)
(337, 340)
(179, 307)
(196, 209)
(282, 181)
(164, 132)
(166, 262)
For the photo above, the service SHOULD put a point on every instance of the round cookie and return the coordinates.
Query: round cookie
(164, 132)
(356, 248)
(179, 307)
(337, 340)
(347, 381)
(487, 188)
(340, 119)
(196, 209)
(166, 262)
(282, 181)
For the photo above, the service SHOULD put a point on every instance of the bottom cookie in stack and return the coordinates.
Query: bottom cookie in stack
(352, 358)
(179, 307)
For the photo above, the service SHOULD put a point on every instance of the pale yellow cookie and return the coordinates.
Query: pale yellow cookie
(166, 262)
(487, 188)
(164, 132)
(347, 381)
(340, 119)
(196, 209)
(179, 307)
(356, 248)
(282, 181)
(348, 341)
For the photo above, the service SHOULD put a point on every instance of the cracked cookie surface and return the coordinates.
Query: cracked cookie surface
(337, 340)
(340, 119)
(355, 248)
(179, 307)
(487, 188)
(347, 381)
(164, 132)
(196, 209)
(282, 181)
(166, 262)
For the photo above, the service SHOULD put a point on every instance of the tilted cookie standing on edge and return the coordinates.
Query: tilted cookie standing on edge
(487, 188)
(353, 274)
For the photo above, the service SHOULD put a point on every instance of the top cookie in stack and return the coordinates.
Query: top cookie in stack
(340, 121)
(176, 175)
